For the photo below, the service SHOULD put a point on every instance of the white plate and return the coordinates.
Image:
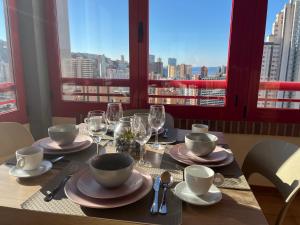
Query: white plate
(185, 160)
(88, 186)
(43, 168)
(76, 196)
(80, 140)
(213, 196)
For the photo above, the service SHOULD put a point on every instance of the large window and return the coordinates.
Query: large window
(7, 90)
(188, 42)
(280, 68)
(94, 46)
(12, 94)
(202, 59)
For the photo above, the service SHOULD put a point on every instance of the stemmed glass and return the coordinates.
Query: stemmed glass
(142, 132)
(113, 113)
(97, 126)
(157, 120)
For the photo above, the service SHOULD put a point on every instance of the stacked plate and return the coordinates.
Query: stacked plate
(50, 147)
(217, 158)
(83, 189)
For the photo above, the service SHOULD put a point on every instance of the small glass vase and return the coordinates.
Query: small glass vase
(123, 136)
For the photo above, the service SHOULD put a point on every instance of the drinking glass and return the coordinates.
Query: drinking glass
(157, 120)
(97, 126)
(142, 133)
(113, 113)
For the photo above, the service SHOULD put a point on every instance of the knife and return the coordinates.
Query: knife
(156, 186)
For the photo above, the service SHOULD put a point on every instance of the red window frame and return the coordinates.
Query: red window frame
(247, 30)
(253, 113)
(18, 115)
(66, 108)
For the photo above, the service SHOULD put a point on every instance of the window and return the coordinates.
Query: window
(280, 69)
(94, 54)
(12, 96)
(188, 51)
(7, 86)
(210, 63)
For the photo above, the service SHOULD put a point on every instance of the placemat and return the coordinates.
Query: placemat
(136, 212)
(234, 178)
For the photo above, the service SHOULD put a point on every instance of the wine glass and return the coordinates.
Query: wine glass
(97, 126)
(142, 133)
(113, 113)
(157, 120)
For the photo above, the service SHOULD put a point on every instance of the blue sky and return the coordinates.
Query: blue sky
(193, 31)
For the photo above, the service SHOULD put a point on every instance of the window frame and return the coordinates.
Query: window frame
(20, 114)
(253, 112)
(247, 28)
(63, 108)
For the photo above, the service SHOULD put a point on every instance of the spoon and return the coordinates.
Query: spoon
(167, 181)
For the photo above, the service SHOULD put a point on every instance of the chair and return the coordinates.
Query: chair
(169, 123)
(13, 136)
(279, 162)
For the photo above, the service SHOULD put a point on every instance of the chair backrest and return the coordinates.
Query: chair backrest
(169, 118)
(13, 136)
(279, 162)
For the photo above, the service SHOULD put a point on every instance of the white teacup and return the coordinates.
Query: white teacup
(200, 178)
(29, 158)
(199, 128)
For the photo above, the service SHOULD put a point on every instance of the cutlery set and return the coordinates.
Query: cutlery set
(165, 180)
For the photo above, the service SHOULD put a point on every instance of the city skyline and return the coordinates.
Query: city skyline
(85, 39)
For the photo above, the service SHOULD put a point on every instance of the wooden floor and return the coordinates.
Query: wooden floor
(271, 202)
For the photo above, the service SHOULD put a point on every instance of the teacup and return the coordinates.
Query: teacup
(199, 128)
(199, 178)
(29, 158)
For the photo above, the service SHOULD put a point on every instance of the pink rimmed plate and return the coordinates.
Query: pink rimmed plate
(88, 186)
(217, 155)
(77, 197)
(49, 144)
(175, 154)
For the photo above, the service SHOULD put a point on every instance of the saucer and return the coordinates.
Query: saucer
(79, 141)
(44, 167)
(213, 195)
(88, 186)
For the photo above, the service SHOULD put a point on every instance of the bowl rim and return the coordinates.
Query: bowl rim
(52, 128)
(202, 134)
(112, 153)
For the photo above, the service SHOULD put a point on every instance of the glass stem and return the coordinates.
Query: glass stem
(156, 138)
(97, 148)
(141, 153)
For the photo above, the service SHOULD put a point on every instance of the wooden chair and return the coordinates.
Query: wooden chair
(13, 136)
(279, 162)
(169, 118)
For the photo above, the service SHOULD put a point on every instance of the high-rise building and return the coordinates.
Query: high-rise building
(281, 57)
(83, 67)
(203, 71)
(171, 71)
(172, 61)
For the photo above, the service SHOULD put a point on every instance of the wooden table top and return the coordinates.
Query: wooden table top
(236, 207)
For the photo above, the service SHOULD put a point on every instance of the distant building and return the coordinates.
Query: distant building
(172, 61)
(171, 71)
(203, 71)
(281, 56)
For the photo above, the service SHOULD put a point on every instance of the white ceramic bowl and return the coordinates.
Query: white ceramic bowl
(112, 169)
(63, 134)
(201, 144)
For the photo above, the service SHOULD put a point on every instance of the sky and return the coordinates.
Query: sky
(193, 31)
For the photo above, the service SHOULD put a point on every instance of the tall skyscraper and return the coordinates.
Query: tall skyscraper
(172, 61)
(281, 56)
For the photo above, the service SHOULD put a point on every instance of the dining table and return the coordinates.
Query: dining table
(238, 205)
